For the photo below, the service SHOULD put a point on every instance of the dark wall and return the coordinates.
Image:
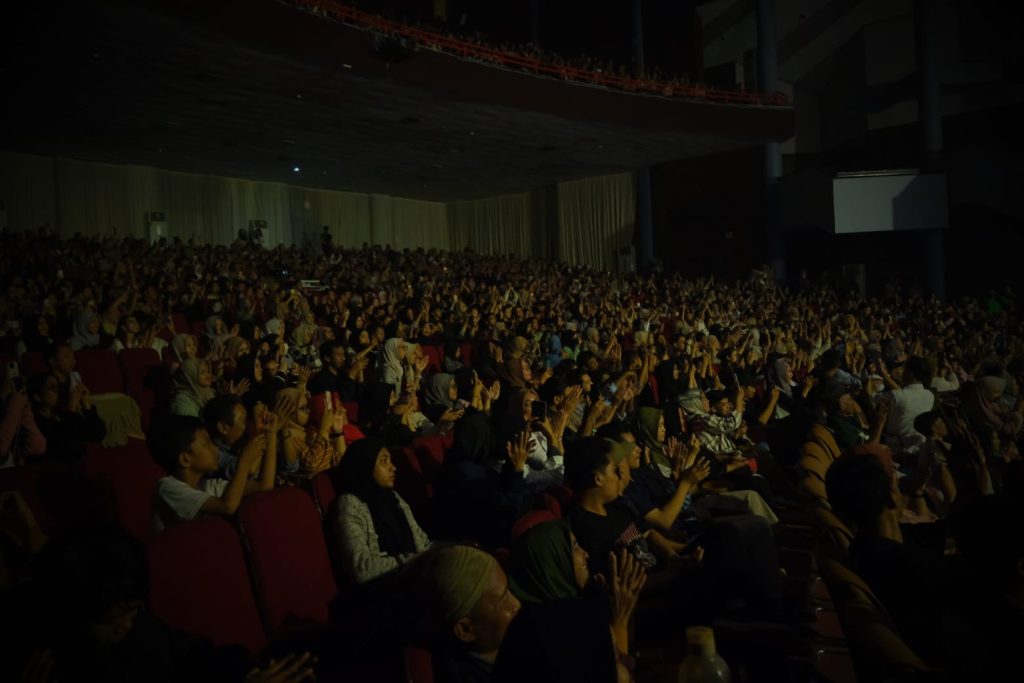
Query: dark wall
(707, 213)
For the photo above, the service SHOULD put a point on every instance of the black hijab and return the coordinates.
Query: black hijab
(355, 474)
(669, 388)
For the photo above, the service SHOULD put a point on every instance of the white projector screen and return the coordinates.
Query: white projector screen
(880, 203)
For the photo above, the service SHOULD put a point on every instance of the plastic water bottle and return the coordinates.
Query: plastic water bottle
(702, 665)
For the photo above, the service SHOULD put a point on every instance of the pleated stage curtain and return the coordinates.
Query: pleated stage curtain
(596, 217)
(493, 226)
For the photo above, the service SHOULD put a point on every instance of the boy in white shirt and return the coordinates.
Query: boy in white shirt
(190, 458)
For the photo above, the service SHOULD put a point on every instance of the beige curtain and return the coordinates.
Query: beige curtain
(27, 190)
(93, 198)
(492, 226)
(596, 216)
(409, 223)
(580, 222)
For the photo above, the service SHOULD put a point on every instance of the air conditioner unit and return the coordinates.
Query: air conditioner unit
(627, 259)
(156, 226)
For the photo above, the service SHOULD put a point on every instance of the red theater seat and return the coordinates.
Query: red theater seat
(411, 484)
(430, 450)
(199, 583)
(51, 491)
(33, 362)
(132, 476)
(100, 371)
(530, 520)
(289, 558)
(322, 489)
(144, 379)
(434, 356)
(419, 664)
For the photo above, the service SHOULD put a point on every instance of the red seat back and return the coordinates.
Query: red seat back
(289, 558)
(56, 494)
(352, 409)
(132, 476)
(322, 488)
(434, 356)
(34, 362)
(144, 378)
(100, 371)
(467, 354)
(419, 664)
(199, 583)
(430, 451)
(653, 381)
(530, 520)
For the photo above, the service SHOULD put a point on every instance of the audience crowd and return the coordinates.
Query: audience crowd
(619, 450)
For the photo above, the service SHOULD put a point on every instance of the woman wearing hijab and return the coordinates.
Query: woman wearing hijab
(453, 360)
(791, 395)
(260, 391)
(548, 564)
(988, 411)
(183, 347)
(440, 395)
(392, 360)
(35, 335)
(216, 335)
(192, 388)
(308, 450)
(749, 491)
(87, 334)
(376, 530)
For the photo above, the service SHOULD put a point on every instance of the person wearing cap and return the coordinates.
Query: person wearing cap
(470, 607)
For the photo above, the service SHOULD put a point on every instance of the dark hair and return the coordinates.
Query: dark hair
(919, 369)
(925, 422)
(859, 490)
(830, 360)
(52, 349)
(551, 389)
(583, 459)
(220, 410)
(327, 348)
(173, 437)
(614, 430)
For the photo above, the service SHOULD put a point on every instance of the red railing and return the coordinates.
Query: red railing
(463, 49)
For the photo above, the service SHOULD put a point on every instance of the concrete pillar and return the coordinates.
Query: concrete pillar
(929, 105)
(767, 81)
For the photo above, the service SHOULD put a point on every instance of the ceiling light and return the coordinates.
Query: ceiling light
(295, 169)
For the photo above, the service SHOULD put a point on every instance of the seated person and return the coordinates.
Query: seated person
(88, 620)
(67, 431)
(548, 564)
(225, 417)
(182, 446)
(468, 607)
(906, 578)
(334, 377)
(376, 530)
(193, 384)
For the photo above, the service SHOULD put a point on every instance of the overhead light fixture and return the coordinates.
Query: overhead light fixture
(295, 169)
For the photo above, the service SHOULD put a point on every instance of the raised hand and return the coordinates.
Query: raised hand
(518, 450)
(239, 389)
(626, 577)
(285, 407)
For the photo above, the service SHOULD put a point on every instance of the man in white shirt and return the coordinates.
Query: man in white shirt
(906, 403)
(191, 460)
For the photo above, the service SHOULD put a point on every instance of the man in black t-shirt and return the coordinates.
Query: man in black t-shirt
(333, 376)
(600, 518)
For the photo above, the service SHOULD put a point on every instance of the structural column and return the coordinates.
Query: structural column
(644, 210)
(929, 107)
(767, 81)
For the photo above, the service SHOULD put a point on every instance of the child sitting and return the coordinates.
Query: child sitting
(186, 452)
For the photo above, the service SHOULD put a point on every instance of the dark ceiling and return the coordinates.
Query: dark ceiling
(254, 89)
